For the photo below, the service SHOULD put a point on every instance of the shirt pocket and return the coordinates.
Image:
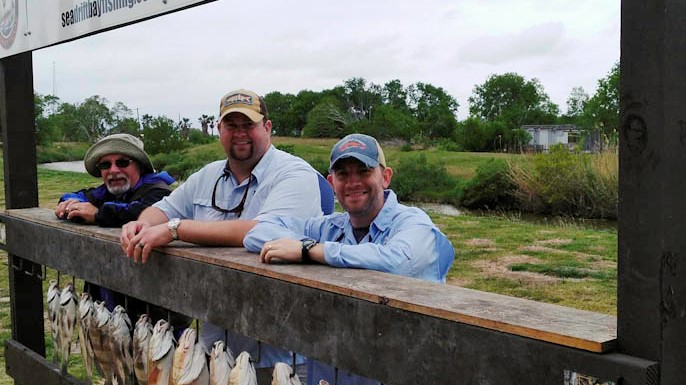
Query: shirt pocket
(203, 210)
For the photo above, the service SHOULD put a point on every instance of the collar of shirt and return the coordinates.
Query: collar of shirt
(263, 165)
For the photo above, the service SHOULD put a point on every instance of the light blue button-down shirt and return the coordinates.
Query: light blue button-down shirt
(402, 240)
(279, 184)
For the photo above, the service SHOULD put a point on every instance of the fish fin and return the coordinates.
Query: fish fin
(162, 349)
(198, 365)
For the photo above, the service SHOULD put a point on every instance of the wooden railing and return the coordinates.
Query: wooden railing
(395, 329)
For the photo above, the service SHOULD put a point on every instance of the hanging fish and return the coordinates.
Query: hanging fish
(190, 364)
(160, 353)
(85, 315)
(53, 299)
(141, 339)
(244, 371)
(99, 332)
(284, 375)
(120, 332)
(221, 363)
(67, 321)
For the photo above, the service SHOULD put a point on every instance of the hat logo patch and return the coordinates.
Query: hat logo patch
(350, 144)
(238, 99)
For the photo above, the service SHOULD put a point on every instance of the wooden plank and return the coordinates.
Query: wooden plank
(546, 322)
(21, 190)
(30, 368)
(338, 320)
(652, 158)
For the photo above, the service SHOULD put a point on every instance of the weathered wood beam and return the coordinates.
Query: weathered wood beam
(652, 185)
(21, 190)
(29, 368)
(396, 329)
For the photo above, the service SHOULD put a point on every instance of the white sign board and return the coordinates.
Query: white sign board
(26, 25)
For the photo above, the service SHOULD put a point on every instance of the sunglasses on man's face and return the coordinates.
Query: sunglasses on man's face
(120, 163)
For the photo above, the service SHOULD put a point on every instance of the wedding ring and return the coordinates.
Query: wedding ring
(141, 245)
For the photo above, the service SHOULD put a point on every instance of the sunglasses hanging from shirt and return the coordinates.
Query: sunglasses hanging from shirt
(238, 210)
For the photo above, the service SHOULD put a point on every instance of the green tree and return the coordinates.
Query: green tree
(47, 129)
(395, 95)
(576, 104)
(390, 122)
(184, 127)
(474, 134)
(127, 125)
(93, 118)
(160, 135)
(67, 118)
(326, 120)
(285, 121)
(434, 110)
(206, 121)
(514, 100)
(360, 98)
(601, 112)
(304, 102)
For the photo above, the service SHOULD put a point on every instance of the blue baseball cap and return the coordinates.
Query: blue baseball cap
(361, 147)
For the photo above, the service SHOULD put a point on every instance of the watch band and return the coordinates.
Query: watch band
(307, 243)
(173, 225)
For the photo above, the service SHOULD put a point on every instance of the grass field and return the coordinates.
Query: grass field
(559, 261)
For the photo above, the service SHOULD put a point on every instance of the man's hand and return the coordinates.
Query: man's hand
(280, 250)
(139, 238)
(75, 210)
(61, 208)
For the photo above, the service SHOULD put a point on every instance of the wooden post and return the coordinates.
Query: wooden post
(21, 191)
(652, 186)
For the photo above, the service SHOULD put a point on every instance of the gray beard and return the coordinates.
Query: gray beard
(119, 190)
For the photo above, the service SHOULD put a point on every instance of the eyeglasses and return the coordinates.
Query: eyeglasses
(238, 209)
(121, 163)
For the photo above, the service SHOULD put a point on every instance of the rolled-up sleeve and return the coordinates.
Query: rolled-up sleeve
(273, 227)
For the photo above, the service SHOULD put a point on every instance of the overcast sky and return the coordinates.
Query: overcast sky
(181, 64)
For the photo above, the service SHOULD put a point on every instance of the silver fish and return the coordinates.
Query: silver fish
(141, 339)
(221, 363)
(120, 332)
(283, 375)
(53, 299)
(85, 315)
(67, 321)
(160, 353)
(189, 366)
(99, 333)
(244, 371)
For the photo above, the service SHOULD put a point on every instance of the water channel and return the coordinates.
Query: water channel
(75, 166)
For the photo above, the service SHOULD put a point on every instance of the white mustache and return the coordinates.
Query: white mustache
(118, 175)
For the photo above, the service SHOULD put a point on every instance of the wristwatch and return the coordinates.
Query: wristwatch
(173, 225)
(308, 243)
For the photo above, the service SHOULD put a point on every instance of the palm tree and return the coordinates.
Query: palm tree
(206, 122)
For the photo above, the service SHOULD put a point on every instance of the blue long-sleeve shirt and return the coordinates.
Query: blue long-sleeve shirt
(402, 240)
